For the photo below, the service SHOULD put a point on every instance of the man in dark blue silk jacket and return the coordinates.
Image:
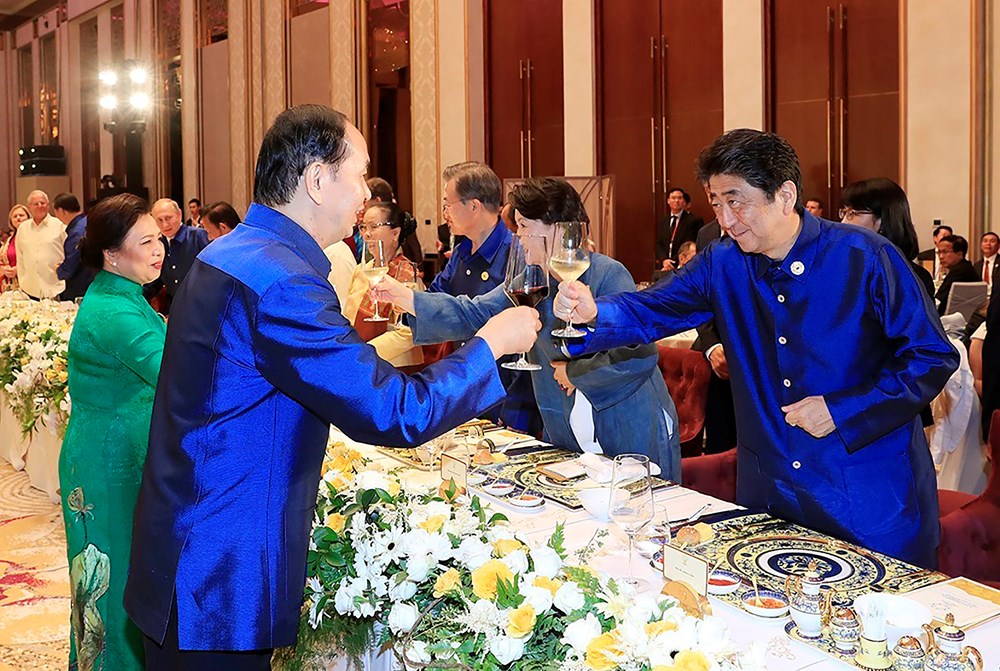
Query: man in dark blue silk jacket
(258, 363)
(832, 346)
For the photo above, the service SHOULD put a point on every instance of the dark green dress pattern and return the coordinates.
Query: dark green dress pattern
(114, 361)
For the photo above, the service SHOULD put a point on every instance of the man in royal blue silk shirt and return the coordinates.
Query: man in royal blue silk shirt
(66, 208)
(832, 349)
(258, 363)
(471, 202)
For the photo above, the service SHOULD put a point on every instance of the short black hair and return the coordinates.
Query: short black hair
(990, 233)
(549, 200)
(380, 189)
(108, 224)
(195, 201)
(888, 204)
(958, 243)
(221, 212)
(814, 199)
(764, 160)
(66, 201)
(943, 228)
(299, 136)
(677, 189)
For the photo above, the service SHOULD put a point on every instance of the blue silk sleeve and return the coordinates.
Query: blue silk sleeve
(306, 349)
(443, 318)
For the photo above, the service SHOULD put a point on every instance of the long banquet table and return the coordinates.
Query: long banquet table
(37, 455)
(783, 653)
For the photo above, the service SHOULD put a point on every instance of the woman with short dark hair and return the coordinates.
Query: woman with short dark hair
(880, 205)
(114, 361)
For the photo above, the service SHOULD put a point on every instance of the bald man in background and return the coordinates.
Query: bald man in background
(39, 245)
(181, 243)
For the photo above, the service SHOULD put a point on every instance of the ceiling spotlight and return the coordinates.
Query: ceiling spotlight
(140, 101)
(108, 77)
(137, 75)
(109, 102)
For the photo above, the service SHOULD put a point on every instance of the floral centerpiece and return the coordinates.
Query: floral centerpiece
(449, 585)
(34, 338)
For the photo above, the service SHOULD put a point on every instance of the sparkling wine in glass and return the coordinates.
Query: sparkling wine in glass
(569, 260)
(632, 513)
(374, 265)
(409, 276)
(526, 281)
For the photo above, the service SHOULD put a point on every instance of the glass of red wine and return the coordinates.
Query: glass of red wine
(526, 281)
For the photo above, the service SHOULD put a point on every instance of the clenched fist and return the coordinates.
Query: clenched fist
(512, 331)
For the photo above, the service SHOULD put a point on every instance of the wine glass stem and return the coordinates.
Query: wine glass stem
(631, 550)
(522, 360)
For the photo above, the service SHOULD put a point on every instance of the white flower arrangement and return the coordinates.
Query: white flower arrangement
(34, 339)
(457, 588)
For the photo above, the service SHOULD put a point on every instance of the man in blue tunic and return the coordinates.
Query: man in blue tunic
(832, 348)
(258, 363)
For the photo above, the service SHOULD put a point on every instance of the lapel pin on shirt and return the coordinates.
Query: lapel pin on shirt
(798, 268)
(485, 276)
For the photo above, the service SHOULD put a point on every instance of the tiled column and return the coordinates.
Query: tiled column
(424, 117)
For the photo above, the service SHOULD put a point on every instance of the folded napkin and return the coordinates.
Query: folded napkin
(600, 468)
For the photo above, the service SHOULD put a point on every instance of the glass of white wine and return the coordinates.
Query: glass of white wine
(374, 265)
(631, 472)
(569, 260)
(410, 278)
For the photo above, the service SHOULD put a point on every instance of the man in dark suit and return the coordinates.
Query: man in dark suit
(257, 364)
(931, 254)
(678, 227)
(989, 244)
(951, 251)
(182, 243)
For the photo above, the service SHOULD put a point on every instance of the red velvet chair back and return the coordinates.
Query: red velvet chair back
(970, 536)
(712, 474)
(686, 374)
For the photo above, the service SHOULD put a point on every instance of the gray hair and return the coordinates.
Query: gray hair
(475, 180)
(162, 201)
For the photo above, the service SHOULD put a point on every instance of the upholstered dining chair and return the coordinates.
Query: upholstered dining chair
(712, 474)
(970, 534)
(686, 374)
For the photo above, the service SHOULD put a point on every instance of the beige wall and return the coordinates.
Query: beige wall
(214, 103)
(309, 51)
(938, 115)
(742, 64)
(452, 82)
(578, 88)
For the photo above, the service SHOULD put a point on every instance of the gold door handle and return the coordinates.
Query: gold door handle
(531, 150)
(829, 145)
(663, 144)
(522, 153)
(843, 132)
(652, 154)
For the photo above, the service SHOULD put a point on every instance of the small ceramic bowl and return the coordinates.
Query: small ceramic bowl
(596, 500)
(526, 500)
(723, 582)
(476, 479)
(773, 604)
(499, 488)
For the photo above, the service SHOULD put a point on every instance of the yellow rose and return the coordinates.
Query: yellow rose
(505, 546)
(394, 487)
(484, 578)
(657, 628)
(62, 376)
(336, 522)
(446, 582)
(433, 524)
(691, 660)
(521, 621)
(548, 583)
(602, 653)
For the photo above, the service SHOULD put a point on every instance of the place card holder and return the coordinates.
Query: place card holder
(455, 468)
(683, 566)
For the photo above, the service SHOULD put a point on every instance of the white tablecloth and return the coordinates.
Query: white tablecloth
(782, 652)
(38, 455)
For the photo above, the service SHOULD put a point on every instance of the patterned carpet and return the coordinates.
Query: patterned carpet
(34, 579)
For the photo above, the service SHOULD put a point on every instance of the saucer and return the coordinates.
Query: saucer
(792, 630)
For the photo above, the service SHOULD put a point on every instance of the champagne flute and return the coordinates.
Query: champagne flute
(374, 265)
(631, 473)
(526, 281)
(570, 259)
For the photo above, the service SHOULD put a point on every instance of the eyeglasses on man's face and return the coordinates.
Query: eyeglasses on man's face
(445, 205)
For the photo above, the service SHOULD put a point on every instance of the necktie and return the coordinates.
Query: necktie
(986, 271)
(673, 233)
